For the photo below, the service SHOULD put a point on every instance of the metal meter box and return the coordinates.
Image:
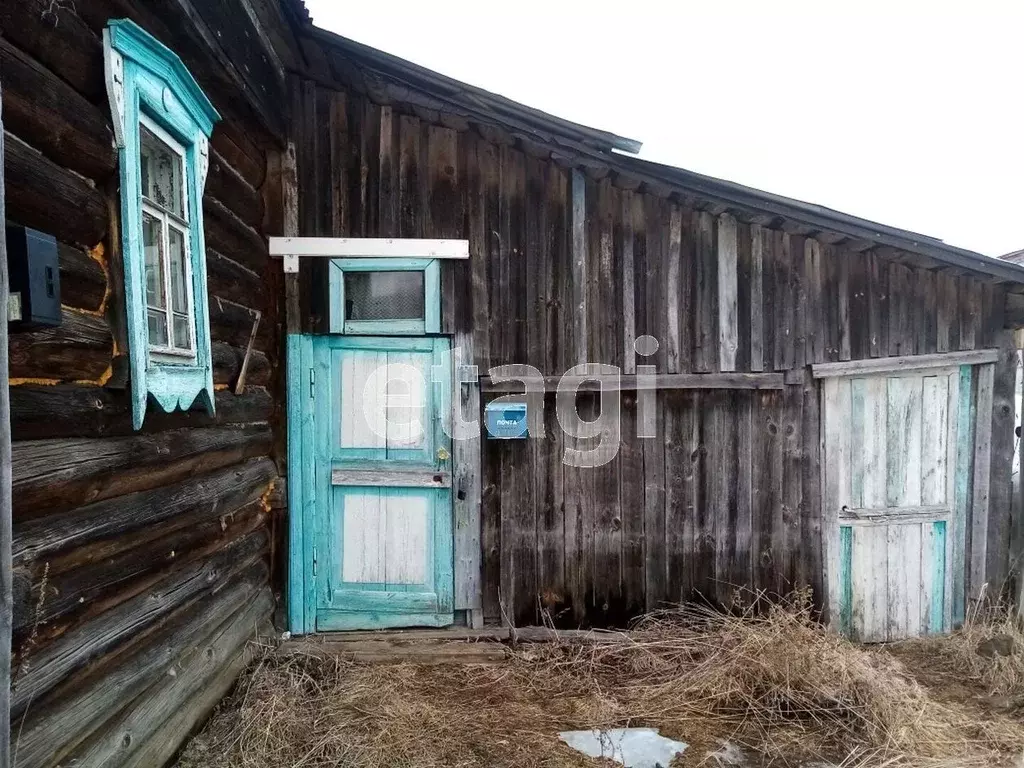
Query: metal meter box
(34, 278)
(506, 421)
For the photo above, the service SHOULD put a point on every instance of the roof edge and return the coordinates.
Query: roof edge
(427, 79)
(822, 218)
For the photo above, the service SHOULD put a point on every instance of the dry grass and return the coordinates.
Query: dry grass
(766, 676)
(998, 675)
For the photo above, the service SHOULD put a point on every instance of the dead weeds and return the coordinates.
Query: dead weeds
(766, 676)
(986, 654)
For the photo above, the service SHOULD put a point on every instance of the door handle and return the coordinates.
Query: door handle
(442, 454)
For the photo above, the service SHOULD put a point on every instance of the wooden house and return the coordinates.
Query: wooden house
(773, 394)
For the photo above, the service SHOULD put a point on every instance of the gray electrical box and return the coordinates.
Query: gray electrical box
(34, 279)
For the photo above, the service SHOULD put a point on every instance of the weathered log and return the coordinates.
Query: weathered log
(232, 323)
(93, 588)
(50, 198)
(50, 115)
(97, 553)
(230, 280)
(232, 237)
(224, 491)
(227, 363)
(54, 475)
(49, 733)
(164, 743)
(78, 349)
(53, 663)
(69, 410)
(238, 150)
(60, 40)
(227, 186)
(83, 283)
(132, 731)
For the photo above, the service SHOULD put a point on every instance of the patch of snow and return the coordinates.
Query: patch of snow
(632, 747)
(729, 755)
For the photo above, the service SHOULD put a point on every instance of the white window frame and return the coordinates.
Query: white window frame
(181, 226)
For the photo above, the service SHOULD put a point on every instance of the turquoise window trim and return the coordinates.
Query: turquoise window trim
(144, 77)
(431, 322)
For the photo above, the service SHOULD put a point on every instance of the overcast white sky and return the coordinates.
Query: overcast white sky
(905, 112)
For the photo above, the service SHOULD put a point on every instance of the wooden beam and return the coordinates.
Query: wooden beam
(6, 535)
(759, 243)
(977, 571)
(905, 363)
(467, 492)
(578, 278)
(289, 248)
(630, 382)
(728, 313)
(391, 478)
(1002, 416)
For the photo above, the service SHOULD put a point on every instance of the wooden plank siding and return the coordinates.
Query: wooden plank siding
(139, 555)
(571, 265)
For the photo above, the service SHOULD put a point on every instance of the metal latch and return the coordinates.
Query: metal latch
(312, 381)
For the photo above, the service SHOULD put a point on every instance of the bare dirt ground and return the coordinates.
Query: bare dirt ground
(766, 679)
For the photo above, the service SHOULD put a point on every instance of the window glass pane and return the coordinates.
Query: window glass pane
(157, 328)
(162, 173)
(384, 296)
(179, 289)
(181, 334)
(152, 244)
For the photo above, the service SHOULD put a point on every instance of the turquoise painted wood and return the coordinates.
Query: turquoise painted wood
(937, 614)
(144, 77)
(369, 557)
(431, 322)
(300, 488)
(846, 580)
(963, 491)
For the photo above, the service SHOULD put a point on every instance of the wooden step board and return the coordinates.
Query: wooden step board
(437, 646)
(399, 651)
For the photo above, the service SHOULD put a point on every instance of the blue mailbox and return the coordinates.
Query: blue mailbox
(506, 421)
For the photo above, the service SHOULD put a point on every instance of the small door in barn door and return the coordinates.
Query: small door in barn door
(891, 458)
(382, 543)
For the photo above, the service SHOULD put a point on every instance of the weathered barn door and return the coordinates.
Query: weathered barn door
(896, 470)
(380, 540)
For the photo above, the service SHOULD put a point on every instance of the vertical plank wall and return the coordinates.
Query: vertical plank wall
(568, 268)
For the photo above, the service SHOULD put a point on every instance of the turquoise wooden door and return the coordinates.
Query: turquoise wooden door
(378, 542)
(896, 457)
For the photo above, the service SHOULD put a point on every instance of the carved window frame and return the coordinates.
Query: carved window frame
(147, 79)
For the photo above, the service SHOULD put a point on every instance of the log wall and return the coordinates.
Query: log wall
(571, 263)
(142, 559)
